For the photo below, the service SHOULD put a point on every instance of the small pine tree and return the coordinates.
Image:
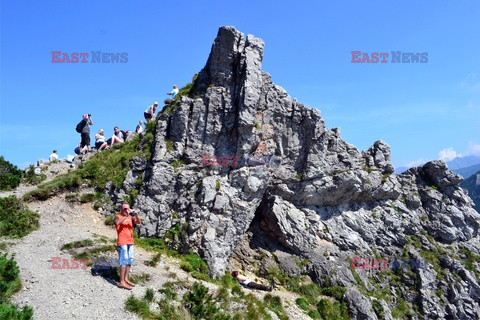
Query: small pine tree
(200, 303)
(10, 175)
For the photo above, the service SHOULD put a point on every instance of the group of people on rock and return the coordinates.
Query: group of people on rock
(118, 136)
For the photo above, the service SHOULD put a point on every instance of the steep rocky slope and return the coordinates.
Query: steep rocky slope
(472, 185)
(318, 206)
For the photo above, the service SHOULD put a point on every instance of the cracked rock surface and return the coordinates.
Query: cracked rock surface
(323, 201)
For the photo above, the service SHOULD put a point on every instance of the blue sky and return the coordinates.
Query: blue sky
(424, 111)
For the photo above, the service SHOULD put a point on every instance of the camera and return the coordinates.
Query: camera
(133, 213)
(89, 114)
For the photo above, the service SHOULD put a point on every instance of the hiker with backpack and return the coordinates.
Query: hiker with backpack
(83, 127)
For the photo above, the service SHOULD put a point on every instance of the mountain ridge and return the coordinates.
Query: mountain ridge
(325, 203)
(472, 185)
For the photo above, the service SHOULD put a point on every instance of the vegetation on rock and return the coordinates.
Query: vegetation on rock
(10, 175)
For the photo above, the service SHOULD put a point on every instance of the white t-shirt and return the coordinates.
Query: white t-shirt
(53, 157)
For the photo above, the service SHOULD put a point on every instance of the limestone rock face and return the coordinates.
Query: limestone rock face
(288, 185)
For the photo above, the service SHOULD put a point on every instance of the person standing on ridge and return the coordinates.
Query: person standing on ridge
(150, 112)
(139, 128)
(124, 223)
(174, 91)
(85, 134)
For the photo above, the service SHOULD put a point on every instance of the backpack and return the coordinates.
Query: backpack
(80, 126)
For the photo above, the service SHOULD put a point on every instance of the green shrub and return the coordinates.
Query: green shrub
(150, 126)
(140, 278)
(170, 312)
(15, 220)
(377, 307)
(155, 259)
(150, 244)
(9, 284)
(470, 260)
(255, 308)
(87, 197)
(169, 145)
(303, 304)
(168, 291)
(140, 307)
(60, 183)
(196, 262)
(177, 163)
(401, 310)
(333, 310)
(10, 175)
(30, 177)
(109, 220)
(201, 276)
(71, 197)
(310, 292)
(9, 277)
(274, 303)
(200, 303)
(149, 295)
(337, 292)
(11, 311)
(77, 244)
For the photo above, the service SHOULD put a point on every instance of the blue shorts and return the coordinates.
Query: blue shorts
(125, 254)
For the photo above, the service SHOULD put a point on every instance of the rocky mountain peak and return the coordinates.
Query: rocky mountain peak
(233, 58)
(252, 179)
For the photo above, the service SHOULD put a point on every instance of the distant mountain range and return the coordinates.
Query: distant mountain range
(464, 166)
(472, 185)
(463, 162)
(468, 171)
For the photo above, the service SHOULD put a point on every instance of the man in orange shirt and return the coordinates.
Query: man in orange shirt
(124, 223)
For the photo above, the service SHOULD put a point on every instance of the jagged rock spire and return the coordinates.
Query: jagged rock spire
(322, 195)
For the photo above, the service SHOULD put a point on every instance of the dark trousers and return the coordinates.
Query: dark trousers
(85, 140)
(257, 286)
